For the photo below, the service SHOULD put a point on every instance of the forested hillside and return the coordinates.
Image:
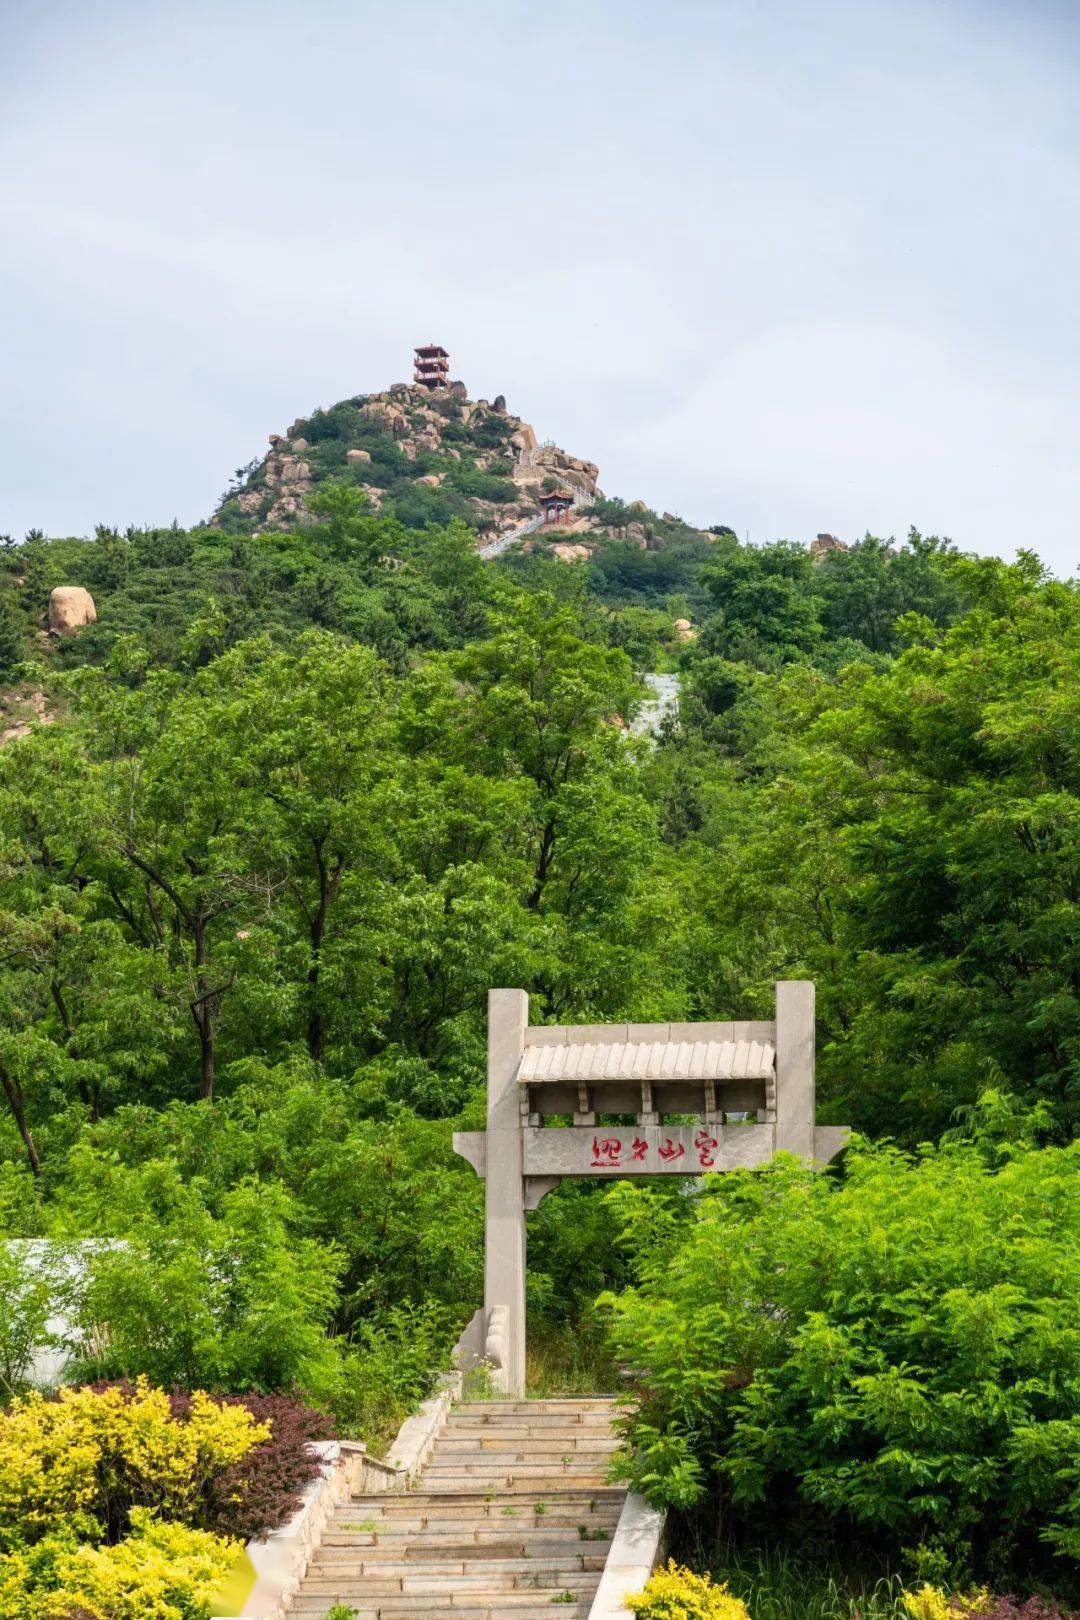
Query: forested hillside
(301, 796)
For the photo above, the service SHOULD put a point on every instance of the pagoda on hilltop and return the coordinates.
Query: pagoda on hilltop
(431, 365)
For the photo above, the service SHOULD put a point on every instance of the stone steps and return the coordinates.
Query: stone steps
(574, 1552)
(512, 1518)
(506, 1606)
(508, 1575)
(482, 1533)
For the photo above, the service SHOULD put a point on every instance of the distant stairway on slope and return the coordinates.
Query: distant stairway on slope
(512, 1517)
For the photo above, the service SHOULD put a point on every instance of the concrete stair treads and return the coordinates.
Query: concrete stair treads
(512, 1518)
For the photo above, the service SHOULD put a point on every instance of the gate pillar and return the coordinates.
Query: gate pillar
(504, 1211)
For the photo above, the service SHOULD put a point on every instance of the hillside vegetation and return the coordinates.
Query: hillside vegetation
(308, 792)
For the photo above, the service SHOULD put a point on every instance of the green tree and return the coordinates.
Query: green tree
(892, 1351)
(12, 636)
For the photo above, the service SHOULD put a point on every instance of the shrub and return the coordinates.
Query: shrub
(676, 1593)
(261, 1490)
(230, 1302)
(27, 1292)
(393, 1366)
(85, 1462)
(897, 1350)
(158, 1572)
(931, 1603)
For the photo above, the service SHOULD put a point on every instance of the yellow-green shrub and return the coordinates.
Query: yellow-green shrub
(82, 1462)
(158, 1572)
(931, 1603)
(676, 1593)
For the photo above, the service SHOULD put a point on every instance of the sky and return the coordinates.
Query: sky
(790, 267)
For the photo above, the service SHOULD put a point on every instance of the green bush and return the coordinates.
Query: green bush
(898, 1350)
(233, 1302)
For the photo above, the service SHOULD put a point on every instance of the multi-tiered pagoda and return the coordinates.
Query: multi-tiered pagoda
(431, 365)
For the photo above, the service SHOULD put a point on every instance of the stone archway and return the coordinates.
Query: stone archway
(711, 1071)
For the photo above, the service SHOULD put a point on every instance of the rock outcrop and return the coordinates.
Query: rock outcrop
(486, 463)
(823, 544)
(23, 714)
(71, 608)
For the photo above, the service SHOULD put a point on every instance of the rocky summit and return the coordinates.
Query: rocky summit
(426, 455)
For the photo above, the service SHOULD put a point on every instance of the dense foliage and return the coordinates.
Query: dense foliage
(307, 795)
(896, 1350)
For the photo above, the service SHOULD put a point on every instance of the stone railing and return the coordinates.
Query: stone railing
(636, 1548)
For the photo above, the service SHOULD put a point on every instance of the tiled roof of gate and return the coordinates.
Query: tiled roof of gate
(649, 1060)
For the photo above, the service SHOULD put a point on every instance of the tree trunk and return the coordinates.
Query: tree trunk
(202, 1011)
(544, 859)
(89, 1102)
(13, 1093)
(329, 882)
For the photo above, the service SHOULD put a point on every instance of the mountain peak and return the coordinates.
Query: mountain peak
(426, 452)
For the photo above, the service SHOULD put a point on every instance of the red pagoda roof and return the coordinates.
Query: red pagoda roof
(556, 495)
(432, 349)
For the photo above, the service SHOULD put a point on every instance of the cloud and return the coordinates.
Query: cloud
(782, 267)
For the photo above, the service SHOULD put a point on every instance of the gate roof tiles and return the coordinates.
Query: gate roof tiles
(649, 1060)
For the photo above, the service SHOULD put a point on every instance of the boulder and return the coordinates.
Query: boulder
(22, 714)
(524, 439)
(684, 630)
(432, 480)
(70, 609)
(250, 501)
(823, 545)
(300, 444)
(571, 554)
(499, 404)
(275, 438)
(286, 506)
(357, 455)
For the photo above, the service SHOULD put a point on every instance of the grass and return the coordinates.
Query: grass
(568, 1360)
(776, 1586)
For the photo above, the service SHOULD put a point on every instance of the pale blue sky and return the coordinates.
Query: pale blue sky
(785, 266)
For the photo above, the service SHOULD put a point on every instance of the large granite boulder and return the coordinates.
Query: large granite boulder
(71, 607)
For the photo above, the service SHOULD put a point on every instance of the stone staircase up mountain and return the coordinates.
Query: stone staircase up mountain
(511, 1517)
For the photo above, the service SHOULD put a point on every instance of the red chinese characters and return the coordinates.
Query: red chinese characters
(704, 1145)
(606, 1152)
(639, 1149)
(671, 1150)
